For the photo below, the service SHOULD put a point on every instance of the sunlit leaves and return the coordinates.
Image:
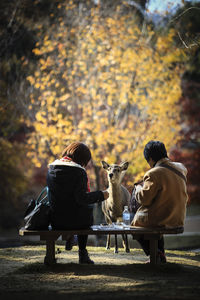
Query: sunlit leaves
(99, 80)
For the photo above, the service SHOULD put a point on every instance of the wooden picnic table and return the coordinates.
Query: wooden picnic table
(151, 234)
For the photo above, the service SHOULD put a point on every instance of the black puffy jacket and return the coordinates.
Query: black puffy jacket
(71, 204)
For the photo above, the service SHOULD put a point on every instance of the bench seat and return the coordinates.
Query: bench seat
(151, 234)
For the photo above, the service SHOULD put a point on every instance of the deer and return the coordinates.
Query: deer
(119, 197)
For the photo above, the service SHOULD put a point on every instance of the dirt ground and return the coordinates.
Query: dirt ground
(114, 276)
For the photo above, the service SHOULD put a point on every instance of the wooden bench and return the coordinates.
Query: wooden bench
(151, 234)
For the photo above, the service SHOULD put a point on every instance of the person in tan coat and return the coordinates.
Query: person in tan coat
(163, 196)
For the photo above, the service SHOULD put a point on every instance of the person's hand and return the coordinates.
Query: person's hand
(138, 188)
(105, 194)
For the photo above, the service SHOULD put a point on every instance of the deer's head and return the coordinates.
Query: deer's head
(115, 172)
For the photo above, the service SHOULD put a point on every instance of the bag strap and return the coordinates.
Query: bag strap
(138, 182)
(174, 170)
(43, 196)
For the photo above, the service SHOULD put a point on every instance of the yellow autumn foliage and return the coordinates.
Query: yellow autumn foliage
(103, 83)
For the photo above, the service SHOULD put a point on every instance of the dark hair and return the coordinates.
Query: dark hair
(78, 152)
(155, 150)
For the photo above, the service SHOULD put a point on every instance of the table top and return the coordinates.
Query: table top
(106, 229)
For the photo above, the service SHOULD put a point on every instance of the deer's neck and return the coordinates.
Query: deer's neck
(114, 192)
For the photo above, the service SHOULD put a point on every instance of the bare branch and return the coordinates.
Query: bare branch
(13, 15)
(193, 7)
(186, 46)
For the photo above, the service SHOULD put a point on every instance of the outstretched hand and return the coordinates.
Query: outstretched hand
(105, 194)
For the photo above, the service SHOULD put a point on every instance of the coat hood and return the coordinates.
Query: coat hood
(60, 162)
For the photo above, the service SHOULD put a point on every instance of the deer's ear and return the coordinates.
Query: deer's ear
(105, 165)
(124, 166)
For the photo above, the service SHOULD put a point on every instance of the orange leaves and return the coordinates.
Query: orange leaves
(111, 22)
(64, 97)
(81, 90)
(37, 51)
(31, 79)
(40, 117)
(37, 74)
(101, 82)
(60, 46)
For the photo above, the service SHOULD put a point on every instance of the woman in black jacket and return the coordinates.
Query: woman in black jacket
(70, 198)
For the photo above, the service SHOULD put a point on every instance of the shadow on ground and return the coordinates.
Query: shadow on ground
(114, 276)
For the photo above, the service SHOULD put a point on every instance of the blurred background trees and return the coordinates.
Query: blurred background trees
(186, 24)
(97, 71)
(17, 39)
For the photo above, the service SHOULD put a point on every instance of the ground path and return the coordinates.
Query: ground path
(192, 224)
(114, 276)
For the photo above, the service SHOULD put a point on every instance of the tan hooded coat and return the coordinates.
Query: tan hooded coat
(163, 197)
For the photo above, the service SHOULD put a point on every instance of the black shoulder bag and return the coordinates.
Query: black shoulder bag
(134, 205)
(37, 215)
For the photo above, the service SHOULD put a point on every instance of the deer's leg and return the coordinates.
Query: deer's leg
(108, 242)
(125, 242)
(116, 244)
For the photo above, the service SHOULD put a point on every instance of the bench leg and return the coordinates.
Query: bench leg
(125, 243)
(153, 251)
(50, 253)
